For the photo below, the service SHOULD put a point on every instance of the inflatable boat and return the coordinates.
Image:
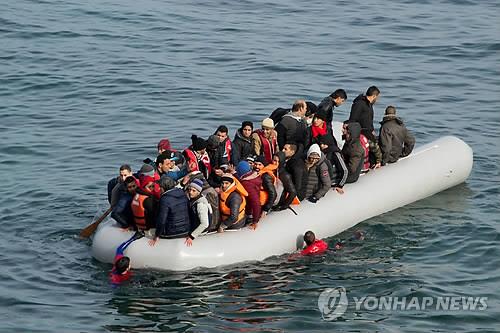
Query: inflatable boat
(431, 168)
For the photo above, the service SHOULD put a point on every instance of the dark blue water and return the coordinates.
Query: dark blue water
(87, 86)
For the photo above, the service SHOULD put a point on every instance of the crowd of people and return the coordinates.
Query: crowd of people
(218, 184)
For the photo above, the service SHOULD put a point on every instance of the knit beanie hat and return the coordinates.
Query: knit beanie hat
(147, 170)
(243, 168)
(311, 109)
(268, 123)
(261, 159)
(321, 114)
(198, 143)
(326, 139)
(250, 158)
(314, 149)
(227, 177)
(213, 141)
(197, 184)
(164, 144)
(246, 123)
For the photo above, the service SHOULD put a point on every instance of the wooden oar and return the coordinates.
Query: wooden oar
(89, 230)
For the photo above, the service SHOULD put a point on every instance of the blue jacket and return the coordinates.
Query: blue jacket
(122, 212)
(173, 215)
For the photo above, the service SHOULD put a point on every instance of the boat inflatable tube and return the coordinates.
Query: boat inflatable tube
(431, 168)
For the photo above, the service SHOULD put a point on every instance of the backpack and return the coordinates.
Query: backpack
(278, 114)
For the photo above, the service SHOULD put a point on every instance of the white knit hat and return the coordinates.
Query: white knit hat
(268, 123)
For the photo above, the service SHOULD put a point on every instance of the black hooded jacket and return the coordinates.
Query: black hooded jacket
(289, 190)
(243, 146)
(353, 153)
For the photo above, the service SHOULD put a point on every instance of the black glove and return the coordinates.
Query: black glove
(312, 199)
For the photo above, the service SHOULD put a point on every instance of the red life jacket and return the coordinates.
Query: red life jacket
(319, 246)
(227, 150)
(268, 146)
(366, 148)
(138, 211)
(205, 159)
(117, 278)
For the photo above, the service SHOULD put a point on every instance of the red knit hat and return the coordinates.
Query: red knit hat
(164, 144)
(145, 180)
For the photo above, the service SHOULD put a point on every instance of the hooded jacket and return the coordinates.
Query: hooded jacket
(289, 190)
(362, 113)
(173, 216)
(212, 197)
(353, 153)
(316, 179)
(243, 146)
(252, 183)
(395, 140)
(291, 129)
(200, 215)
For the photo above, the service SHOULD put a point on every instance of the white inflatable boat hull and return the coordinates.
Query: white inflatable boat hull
(430, 169)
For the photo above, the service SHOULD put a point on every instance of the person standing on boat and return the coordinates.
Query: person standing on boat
(292, 127)
(316, 177)
(265, 141)
(313, 245)
(289, 194)
(243, 141)
(267, 194)
(173, 212)
(362, 111)
(318, 127)
(200, 211)
(395, 139)
(252, 182)
(335, 99)
(295, 165)
(232, 203)
(352, 151)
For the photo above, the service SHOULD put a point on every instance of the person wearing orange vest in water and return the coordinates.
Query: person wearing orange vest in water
(268, 190)
(265, 141)
(144, 205)
(313, 245)
(232, 203)
(252, 183)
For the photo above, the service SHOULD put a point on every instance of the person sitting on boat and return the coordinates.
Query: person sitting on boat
(362, 110)
(333, 154)
(197, 157)
(173, 212)
(147, 170)
(313, 245)
(116, 184)
(122, 212)
(226, 153)
(295, 165)
(335, 99)
(164, 144)
(372, 153)
(318, 128)
(165, 163)
(395, 139)
(267, 194)
(316, 179)
(265, 141)
(209, 193)
(243, 141)
(144, 205)
(352, 151)
(232, 203)
(289, 194)
(292, 127)
(200, 211)
(252, 182)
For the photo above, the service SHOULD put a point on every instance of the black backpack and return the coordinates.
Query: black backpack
(278, 114)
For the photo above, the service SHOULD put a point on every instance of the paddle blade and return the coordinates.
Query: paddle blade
(91, 228)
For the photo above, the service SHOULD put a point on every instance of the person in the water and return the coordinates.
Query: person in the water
(313, 245)
(121, 267)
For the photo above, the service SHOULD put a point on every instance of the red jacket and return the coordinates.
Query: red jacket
(252, 184)
(319, 246)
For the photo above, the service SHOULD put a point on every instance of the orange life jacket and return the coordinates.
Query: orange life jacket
(270, 170)
(138, 210)
(225, 211)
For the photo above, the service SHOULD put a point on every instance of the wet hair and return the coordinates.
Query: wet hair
(129, 179)
(309, 237)
(372, 91)
(298, 105)
(293, 147)
(246, 123)
(125, 167)
(222, 129)
(122, 264)
(339, 93)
